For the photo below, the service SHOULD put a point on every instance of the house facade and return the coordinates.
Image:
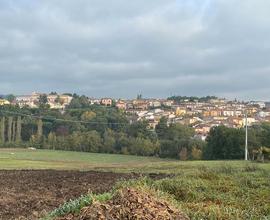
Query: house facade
(106, 101)
(4, 102)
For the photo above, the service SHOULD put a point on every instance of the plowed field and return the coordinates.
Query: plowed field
(27, 194)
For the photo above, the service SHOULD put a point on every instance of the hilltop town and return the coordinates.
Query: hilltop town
(200, 113)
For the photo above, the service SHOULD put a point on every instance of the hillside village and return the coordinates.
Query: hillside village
(201, 114)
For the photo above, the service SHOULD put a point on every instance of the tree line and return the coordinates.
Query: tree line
(229, 143)
(179, 99)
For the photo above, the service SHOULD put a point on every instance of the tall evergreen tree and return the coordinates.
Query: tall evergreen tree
(52, 141)
(19, 129)
(3, 130)
(13, 131)
(10, 120)
(39, 128)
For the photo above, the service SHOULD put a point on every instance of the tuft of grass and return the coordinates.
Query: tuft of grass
(72, 206)
(226, 169)
(104, 197)
(251, 168)
(75, 206)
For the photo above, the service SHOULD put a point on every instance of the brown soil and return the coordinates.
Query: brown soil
(29, 194)
(129, 204)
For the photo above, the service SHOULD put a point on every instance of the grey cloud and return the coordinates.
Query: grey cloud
(120, 48)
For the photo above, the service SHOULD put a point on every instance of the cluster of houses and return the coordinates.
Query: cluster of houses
(55, 101)
(201, 115)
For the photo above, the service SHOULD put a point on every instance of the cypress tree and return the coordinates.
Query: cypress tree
(19, 129)
(39, 128)
(13, 130)
(10, 119)
(3, 130)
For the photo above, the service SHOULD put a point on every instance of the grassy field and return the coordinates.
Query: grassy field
(17, 158)
(67, 160)
(222, 192)
(202, 189)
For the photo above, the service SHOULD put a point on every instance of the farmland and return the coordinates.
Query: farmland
(35, 182)
(67, 160)
(30, 193)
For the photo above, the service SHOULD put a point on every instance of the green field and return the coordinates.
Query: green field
(16, 158)
(68, 160)
(202, 189)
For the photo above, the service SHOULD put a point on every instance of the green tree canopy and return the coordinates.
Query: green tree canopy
(225, 143)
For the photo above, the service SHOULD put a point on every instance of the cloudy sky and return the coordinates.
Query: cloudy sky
(120, 48)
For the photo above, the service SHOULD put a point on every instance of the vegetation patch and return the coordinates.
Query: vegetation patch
(73, 207)
(127, 203)
(230, 196)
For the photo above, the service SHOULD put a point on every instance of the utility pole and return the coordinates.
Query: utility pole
(246, 145)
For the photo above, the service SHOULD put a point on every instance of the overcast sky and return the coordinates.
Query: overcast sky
(120, 48)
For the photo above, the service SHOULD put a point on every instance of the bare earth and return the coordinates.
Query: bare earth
(29, 194)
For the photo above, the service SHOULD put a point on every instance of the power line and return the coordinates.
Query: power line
(62, 120)
(67, 120)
